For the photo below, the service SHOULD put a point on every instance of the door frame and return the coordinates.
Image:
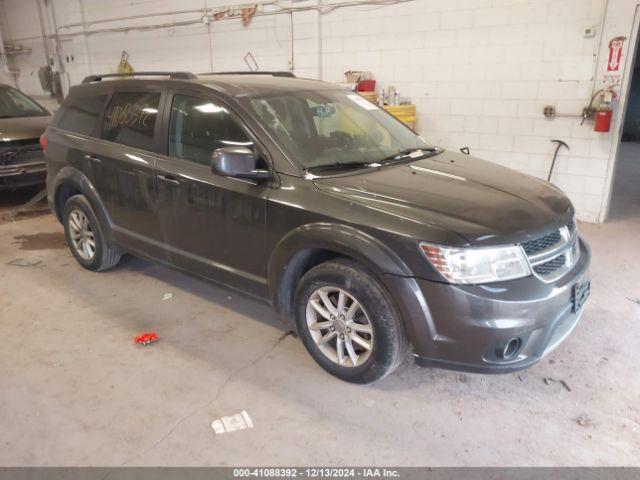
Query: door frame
(616, 137)
(238, 278)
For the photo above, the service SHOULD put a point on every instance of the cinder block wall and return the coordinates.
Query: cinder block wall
(479, 71)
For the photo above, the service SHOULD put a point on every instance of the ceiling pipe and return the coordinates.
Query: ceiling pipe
(322, 8)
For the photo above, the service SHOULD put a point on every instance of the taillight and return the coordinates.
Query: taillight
(43, 142)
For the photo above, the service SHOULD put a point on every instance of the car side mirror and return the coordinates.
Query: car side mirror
(237, 162)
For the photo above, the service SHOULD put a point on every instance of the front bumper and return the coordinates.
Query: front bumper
(466, 327)
(23, 174)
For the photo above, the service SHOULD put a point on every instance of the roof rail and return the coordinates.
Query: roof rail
(174, 75)
(274, 73)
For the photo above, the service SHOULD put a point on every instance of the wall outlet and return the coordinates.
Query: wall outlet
(549, 111)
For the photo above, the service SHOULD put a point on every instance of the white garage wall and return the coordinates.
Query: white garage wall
(19, 24)
(479, 71)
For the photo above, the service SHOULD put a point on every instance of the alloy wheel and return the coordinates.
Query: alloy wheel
(82, 236)
(339, 326)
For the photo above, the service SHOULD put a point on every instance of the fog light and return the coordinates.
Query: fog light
(511, 348)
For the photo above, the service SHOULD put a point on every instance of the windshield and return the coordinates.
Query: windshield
(14, 103)
(333, 127)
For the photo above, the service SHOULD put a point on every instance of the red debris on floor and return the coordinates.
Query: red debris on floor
(145, 339)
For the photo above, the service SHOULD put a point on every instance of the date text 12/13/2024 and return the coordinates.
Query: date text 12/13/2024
(316, 472)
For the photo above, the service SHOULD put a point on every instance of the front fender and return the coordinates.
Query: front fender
(341, 239)
(290, 259)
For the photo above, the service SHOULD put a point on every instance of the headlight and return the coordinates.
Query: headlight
(477, 265)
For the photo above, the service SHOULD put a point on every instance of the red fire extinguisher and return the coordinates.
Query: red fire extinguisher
(603, 119)
(604, 112)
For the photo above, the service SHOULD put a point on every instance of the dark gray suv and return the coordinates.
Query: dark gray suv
(311, 197)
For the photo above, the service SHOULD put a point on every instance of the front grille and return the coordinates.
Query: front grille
(553, 255)
(20, 151)
(542, 243)
(551, 266)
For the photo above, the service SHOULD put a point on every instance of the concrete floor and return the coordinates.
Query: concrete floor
(75, 390)
(12, 204)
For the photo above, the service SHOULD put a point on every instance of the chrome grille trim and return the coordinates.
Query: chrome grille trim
(20, 152)
(551, 261)
(550, 266)
(533, 247)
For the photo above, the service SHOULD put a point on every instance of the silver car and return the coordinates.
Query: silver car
(22, 121)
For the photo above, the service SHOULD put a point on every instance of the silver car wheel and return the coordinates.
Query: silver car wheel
(339, 326)
(82, 236)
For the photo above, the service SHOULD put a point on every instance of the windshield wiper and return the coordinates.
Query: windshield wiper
(413, 153)
(340, 166)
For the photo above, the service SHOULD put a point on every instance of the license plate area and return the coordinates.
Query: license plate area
(579, 294)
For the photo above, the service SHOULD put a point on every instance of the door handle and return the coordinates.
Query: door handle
(169, 179)
(93, 158)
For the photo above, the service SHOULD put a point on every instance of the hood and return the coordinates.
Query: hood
(22, 128)
(483, 202)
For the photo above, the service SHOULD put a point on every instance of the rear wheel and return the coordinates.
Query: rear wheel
(347, 323)
(85, 238)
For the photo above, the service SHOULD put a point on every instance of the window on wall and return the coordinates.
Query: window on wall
(130, 119)
(199, 126)
(81, 115)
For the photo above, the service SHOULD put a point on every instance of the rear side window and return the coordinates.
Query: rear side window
(81, 115)
(130, 119)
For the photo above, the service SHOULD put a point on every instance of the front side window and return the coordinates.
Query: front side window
(130, 119)
(199, 126)
(81, 115)
(14, 103)
(328, 127)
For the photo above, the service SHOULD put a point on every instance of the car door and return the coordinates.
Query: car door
(213, 226)
(122, 163)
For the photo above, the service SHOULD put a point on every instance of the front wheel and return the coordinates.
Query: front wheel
(347, 323)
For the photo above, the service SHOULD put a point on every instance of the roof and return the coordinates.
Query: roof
(259, 85)
(233, 83)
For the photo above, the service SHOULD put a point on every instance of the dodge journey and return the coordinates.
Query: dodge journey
(371, 239)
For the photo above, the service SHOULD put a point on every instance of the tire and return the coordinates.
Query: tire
(87, 244)
(387, 343)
